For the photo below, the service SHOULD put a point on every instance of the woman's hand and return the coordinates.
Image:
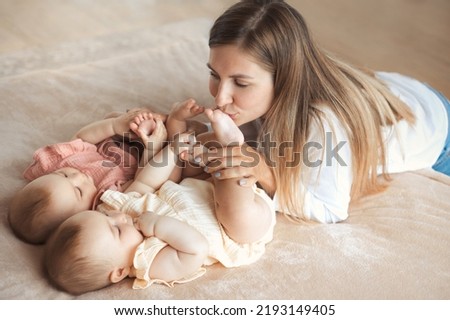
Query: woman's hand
(237, 162)
(183, 143)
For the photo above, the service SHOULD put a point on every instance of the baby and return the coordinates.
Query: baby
(175, 230)
(70, 177)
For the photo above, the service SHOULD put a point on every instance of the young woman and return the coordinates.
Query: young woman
(326, 130)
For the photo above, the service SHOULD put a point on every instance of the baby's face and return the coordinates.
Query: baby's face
(112, 236)
(71, 191)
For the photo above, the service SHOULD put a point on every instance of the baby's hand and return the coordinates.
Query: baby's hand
(146, 223)
(156, 138)
(182, 111)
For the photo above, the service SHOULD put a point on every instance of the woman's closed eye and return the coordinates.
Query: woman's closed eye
(240, 84)
(214, 75)
(79, 191)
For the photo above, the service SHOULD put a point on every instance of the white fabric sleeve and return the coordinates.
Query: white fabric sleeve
(326, 174)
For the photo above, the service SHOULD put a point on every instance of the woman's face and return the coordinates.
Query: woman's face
(240, 86)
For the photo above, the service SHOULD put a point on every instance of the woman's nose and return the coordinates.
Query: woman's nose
(223, 96)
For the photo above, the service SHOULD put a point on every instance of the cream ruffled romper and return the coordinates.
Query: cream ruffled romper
(191, 201)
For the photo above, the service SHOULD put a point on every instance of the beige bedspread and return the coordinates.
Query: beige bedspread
(395, 245)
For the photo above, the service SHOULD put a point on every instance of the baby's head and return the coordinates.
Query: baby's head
(45, 202)
(91, 250)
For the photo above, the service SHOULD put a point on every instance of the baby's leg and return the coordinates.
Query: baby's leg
(245, 216)
(224, 128)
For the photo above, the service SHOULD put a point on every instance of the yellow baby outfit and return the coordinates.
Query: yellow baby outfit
(191, 201)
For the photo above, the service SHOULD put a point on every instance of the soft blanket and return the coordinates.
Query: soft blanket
(395, 245)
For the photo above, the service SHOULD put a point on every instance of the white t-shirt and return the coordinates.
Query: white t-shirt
(327, 194)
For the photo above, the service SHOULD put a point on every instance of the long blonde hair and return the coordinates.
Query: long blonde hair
(276, 35)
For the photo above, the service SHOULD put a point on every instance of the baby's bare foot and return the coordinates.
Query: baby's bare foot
(147, 126)
(224, 127)
(143, 124)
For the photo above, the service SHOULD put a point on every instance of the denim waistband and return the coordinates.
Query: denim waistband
(446, 104)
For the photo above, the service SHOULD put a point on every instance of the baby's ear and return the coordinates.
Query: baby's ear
(119, 274)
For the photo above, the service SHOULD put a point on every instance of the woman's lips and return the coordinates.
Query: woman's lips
(232, 116)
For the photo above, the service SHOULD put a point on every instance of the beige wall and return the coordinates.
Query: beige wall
(407, 36)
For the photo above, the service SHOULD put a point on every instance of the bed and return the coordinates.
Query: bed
(395, 245)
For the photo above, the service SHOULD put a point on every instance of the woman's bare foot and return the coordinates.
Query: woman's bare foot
(224, 127)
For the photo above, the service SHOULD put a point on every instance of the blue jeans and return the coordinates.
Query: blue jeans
(443, 162)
